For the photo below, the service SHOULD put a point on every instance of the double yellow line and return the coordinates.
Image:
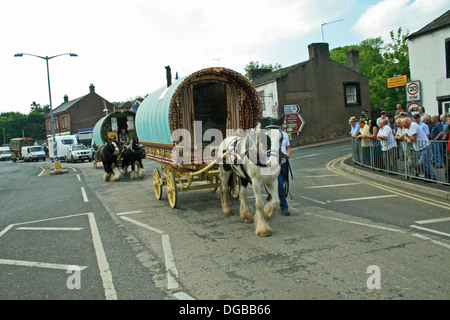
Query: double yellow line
(332, 166)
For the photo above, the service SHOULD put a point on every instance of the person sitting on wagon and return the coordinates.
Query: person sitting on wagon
(123, 138)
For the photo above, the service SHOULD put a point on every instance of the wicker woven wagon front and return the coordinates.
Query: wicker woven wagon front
(213, 98)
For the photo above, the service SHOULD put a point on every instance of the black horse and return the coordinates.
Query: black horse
(108, 154)
(132, 155)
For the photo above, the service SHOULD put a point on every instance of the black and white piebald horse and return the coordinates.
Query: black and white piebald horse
(255, 157)
(108, 154)
(132, 155)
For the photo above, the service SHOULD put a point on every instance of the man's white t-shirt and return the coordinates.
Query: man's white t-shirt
(421, 141)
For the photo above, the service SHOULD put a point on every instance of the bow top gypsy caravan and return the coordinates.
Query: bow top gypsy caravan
(187, 113)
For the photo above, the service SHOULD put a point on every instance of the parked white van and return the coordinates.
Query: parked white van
(33, 153)
(62, 144)
(5, 153)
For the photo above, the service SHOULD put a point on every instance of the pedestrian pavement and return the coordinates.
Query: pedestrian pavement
(437, 190)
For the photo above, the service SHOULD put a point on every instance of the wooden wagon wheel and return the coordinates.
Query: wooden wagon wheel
(157, 184)
(235, 186)
(171, 189)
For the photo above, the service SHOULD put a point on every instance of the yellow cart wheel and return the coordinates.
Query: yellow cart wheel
(157, 184)
(212, 180)
(171, 189)
(235, 186)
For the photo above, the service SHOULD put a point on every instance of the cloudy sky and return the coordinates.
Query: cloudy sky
(123, 46)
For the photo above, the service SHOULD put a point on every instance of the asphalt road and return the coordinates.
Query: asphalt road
(348, 237)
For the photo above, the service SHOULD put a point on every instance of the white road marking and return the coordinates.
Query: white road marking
(103, 265)
(431, 230)
(49, 229)
(366, 198)
(83, 192)
(432, 220)
(321, 202)
(355, 222)
(6, 230)
(418, 235)
(334, 185)
(43, 170)
(172, 272)
(323, 176)
(38, 264)
(78, 177)
(128, 212)
(182, 296)
(142, 225)
(307, 156)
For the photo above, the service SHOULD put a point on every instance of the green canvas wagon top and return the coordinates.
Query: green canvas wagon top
(217, 98)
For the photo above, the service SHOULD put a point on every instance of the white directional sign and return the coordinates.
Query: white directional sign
(291, 109)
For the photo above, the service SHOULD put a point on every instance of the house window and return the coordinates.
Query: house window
(447, 56)
(56, 124)
(261, 97)
(352, 94)
(63, 122)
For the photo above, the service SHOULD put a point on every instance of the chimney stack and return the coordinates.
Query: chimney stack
(168, 76)
(91, 88)
(319, 51)
(66, 98)
(254, 74)
(353, 60)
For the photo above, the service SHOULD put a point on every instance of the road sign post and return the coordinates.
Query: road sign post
(293, 121)
(413, 91)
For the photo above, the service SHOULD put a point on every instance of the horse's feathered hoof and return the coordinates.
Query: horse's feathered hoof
(133, 175)
(117, 176)
(266, 233)
(141, 173)
(106, 176)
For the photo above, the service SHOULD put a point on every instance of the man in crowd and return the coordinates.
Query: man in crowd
(436, 134)
(423, 125)
(388, 145)
(421, 144)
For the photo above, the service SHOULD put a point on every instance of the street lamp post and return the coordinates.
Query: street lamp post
(46, 58)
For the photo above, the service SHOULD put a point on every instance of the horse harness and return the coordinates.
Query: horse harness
(238, 162)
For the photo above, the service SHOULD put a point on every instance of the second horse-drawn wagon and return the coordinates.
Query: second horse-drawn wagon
(177, 123)
(110, 126)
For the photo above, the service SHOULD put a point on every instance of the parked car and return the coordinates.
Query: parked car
(5, 153)
(78, 152)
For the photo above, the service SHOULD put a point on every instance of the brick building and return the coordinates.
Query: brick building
(327, 93)
(78, 116)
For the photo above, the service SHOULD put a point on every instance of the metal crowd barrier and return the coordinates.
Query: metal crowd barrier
(430, 163)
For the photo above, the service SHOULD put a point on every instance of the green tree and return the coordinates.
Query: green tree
(255, 65)
(16, 124)
(369, 54)
(380, 61)
(395, 63)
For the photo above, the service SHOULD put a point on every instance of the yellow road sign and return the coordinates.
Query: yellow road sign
(397, 81)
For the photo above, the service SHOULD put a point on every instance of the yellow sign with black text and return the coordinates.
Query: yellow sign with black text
(397, 81)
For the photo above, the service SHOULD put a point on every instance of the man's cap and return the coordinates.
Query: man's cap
(353, 119)
(417, 116)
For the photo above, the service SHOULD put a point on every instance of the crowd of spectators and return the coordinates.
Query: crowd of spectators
(420, 140)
